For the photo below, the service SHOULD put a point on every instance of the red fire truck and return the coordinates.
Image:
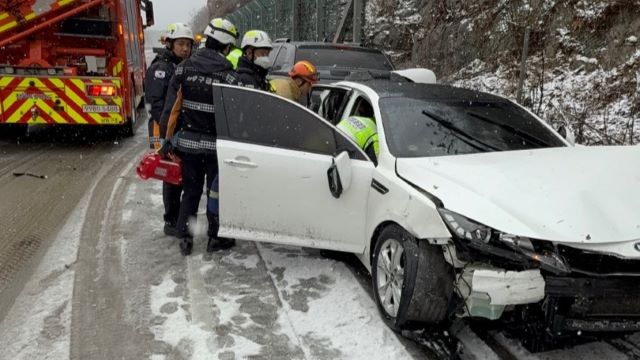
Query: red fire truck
(72, 62)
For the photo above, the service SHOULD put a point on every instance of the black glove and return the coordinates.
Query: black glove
(166, 148)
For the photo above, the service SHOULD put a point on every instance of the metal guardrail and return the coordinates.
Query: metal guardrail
(303, 20)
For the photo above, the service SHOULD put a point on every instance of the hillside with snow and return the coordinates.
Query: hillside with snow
(583, 59)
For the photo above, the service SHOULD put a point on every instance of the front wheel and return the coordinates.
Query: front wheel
(412, 283)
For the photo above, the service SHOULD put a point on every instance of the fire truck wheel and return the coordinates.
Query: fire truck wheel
(129, 128)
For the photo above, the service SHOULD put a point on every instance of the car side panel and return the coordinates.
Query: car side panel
(405, 206)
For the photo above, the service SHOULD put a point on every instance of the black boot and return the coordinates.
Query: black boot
(218, 243)
(186, 245)
(170, 229)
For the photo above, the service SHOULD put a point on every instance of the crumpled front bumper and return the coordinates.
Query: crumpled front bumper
(565, 303)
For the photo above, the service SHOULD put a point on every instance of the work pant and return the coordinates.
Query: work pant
(171, 199)
(196, 169)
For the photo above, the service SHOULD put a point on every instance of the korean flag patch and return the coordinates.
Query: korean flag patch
(160, 74)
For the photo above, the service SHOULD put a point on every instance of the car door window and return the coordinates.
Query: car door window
(266, 119)
(329, 103)
(362, 107)
(284, 59)
(273, 54)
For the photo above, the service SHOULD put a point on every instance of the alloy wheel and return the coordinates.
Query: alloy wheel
(390, 275)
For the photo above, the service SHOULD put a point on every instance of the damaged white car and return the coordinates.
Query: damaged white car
(474, 207)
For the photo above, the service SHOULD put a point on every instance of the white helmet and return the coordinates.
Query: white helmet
(257, 39)
(179, 31)
(222, 30)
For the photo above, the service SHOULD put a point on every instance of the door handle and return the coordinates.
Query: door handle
(240, 163)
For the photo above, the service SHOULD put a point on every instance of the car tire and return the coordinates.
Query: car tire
(417, 274)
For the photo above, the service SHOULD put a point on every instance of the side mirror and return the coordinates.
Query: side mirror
(148, 11)
(339, 174)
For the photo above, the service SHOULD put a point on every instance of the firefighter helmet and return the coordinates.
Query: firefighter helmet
(222, 30)
(179, 31)
(306, 70)
(257, 39)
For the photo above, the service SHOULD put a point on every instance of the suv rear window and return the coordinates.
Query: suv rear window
(346, 58)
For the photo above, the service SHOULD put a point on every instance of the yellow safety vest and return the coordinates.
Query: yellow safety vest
(362, 130)
(234, 56)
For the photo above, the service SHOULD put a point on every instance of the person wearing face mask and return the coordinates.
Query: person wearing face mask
(190, 104)
(298, 85)
(254, 63)
(178, 41)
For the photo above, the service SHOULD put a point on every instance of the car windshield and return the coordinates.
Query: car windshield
(349, 58)
(420, 128)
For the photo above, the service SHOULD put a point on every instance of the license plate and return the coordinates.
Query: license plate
(101, 108)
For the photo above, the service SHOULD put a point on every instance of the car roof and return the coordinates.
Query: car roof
(328, 45)
(389, 88)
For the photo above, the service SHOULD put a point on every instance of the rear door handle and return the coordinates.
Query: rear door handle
(240, 163)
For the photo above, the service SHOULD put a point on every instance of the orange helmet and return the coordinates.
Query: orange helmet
(306, 70)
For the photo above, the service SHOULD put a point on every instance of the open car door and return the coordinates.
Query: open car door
(286, 175)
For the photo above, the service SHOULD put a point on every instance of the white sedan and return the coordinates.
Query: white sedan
(474, 207)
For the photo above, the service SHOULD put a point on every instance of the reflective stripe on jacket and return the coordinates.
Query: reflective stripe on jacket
(362, 130)
(189, 104)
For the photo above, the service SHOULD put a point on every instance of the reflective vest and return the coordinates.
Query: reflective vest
(234, 56)
(362, 130)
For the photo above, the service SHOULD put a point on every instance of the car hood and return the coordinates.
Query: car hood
(573, 194)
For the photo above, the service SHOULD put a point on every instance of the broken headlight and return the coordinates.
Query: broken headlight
(511, 247)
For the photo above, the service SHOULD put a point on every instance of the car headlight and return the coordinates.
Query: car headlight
(497, 243)
(466, 228)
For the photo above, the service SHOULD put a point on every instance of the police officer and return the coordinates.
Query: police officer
(190, 101)
(254, 63)
(178, 41)
(364, 132)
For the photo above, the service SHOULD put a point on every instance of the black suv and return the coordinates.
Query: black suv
(333, 61)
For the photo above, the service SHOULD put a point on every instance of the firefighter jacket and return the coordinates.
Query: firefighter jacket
(363, 131)
(286, 87)
(190, 101)
(156, 84)
(252, 75)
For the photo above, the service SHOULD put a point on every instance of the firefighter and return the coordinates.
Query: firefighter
(252, 68)
(254, 63)
(190, 102)
(364, 132)
(178, 41)
(298, 85)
